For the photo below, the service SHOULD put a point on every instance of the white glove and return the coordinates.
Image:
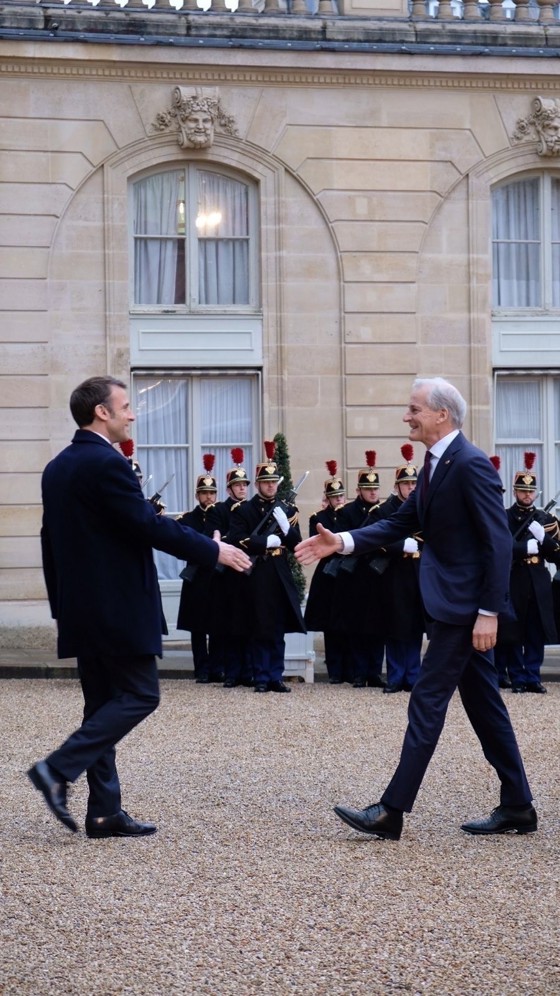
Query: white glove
(273, 541)
(537, 530)
(282, 519)
(410, 545)
(532, 547)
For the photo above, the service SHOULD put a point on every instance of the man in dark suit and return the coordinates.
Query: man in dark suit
(464, 577)
(97, 539)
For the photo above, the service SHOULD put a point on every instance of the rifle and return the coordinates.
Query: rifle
(262, 527)
(527, 522)
(155, 499)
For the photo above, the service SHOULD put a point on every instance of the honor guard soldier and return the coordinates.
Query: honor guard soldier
(322, 590)
(403, 610)
(195, 605)
(358, 603)
(229, 591)
(536, 541)
(266, 529)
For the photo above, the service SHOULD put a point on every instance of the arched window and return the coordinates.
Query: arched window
(194, 234)
(526, 244)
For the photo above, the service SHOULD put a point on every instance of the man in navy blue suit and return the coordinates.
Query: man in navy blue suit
(464, 578)
(97, 539)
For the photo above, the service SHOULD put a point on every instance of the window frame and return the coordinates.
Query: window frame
(191, 305)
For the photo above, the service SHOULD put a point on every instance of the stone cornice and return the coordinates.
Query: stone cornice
(87, 65)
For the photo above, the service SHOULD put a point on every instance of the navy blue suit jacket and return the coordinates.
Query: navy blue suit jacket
(466, 558)
(97, 539)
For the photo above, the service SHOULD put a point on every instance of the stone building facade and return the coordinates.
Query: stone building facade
(368, 147)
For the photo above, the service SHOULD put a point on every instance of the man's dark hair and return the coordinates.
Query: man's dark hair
(85, 397)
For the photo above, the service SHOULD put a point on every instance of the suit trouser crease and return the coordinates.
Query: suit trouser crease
(450, 663)
(119, 692)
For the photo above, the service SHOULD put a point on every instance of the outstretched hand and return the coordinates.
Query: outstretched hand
(316, 547)
(231, 556)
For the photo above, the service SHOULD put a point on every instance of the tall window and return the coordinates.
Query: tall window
(179, 418)
(526, 244)
(527, 417)
(194, 236)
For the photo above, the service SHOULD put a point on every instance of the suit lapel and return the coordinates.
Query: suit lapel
(443, 465)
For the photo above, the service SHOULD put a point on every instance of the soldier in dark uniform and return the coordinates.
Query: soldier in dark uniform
(357, 609)
(536, 541)
(195, 606)
(322, 590)
(228, 591)
(272, 604)
(401, 601)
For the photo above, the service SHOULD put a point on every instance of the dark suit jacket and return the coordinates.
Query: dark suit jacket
(97, 539)
(466, 558)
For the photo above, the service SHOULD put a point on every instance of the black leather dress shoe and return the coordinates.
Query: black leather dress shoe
(278, 686)
(358, 684)
(504, 683)
(261, 688)
(335, 681)
(391, 689)
(505, 819)
(119, 825)
(54, 792)
(376, 820)
(203, 680)
(376, 682)
(535, 686)
(230, 684)
(518, 689)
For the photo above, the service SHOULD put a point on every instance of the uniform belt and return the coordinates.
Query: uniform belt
(276, 551)
(532, 560)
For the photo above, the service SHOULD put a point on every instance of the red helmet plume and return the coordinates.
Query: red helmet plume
(530, 460)
(127, 447)
(332, 467)
(408, 452)
(208, 461)
(269, 448)
(371, 457)
(496, 462)
(237, 455)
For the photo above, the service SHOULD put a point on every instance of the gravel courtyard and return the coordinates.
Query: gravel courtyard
(251, 885)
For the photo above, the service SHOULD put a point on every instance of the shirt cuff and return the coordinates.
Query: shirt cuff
(485, 612)
(347, 543)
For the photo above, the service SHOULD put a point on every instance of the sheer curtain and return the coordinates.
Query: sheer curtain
(555, 235)
(156, 203)
(162, 431)
(226, 407)
(518, 417)
(178, 420)
(516, 248)
(223, 240)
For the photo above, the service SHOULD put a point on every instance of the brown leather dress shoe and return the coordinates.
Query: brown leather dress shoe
(376, 820)
(119, 825)
(54, 792)
(505, 819)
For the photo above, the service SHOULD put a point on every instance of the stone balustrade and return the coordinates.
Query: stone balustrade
(539, 12)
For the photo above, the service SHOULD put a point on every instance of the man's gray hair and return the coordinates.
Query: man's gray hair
(442, 394)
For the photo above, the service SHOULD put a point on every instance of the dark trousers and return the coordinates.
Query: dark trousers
(404, 658)
(449, 663)
(119, 692)
(206, 659)
(267, 656)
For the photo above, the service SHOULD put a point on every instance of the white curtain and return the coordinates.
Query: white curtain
(156, 201)
(516, 247)
(223, 245)
(555, 221)
(518, 417)
(169, 443)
